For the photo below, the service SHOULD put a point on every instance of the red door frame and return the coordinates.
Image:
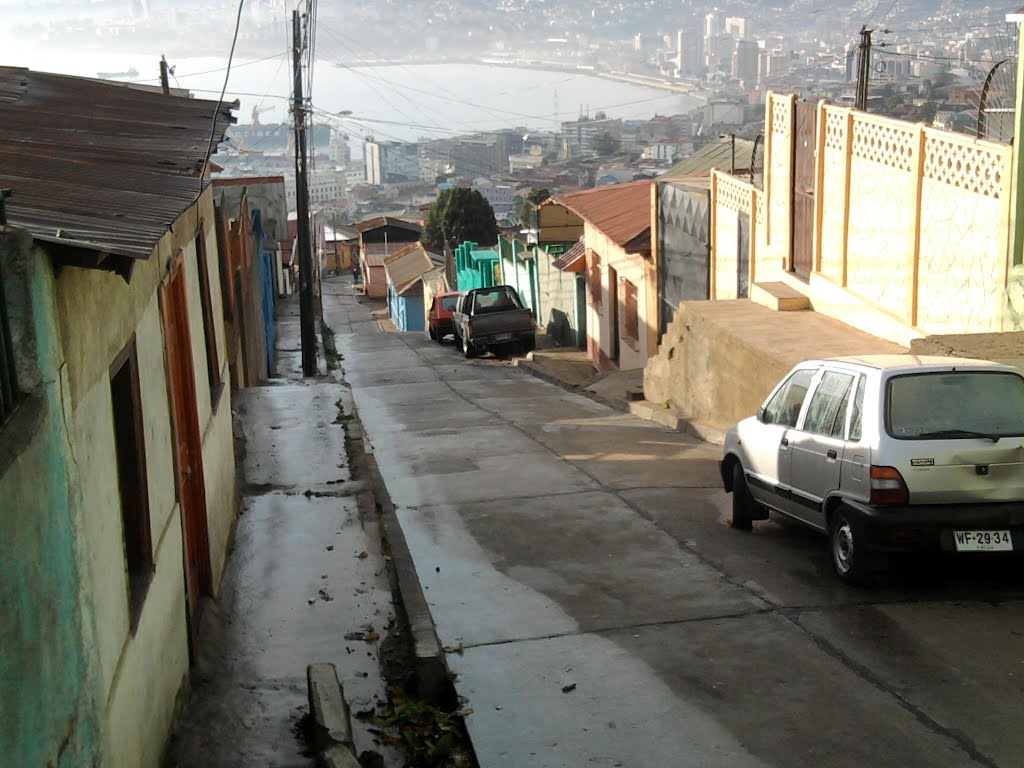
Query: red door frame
(188, 453)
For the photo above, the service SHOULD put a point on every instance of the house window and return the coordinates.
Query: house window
(630, 329)
(594, 259)
(126, 403)
(210, 328)
(9, 396)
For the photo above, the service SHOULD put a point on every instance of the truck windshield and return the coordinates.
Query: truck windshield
(494, 300)
(955, 405)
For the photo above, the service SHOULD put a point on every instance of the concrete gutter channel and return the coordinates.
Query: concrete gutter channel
(331, 731)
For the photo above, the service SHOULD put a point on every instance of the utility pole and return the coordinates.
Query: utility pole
(306, 320)
(863, 69)
(165, 84)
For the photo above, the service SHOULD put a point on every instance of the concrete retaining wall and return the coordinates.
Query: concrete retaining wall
(719, 359)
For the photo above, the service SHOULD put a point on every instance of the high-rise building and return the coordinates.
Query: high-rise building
(390, 161)
(745, 61)
(737, 28)
(712, 28)
(689, 50)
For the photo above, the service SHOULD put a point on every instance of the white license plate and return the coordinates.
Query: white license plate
(982, 541)
(502, 337)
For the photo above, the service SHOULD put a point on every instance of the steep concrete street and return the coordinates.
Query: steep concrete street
(597, 609)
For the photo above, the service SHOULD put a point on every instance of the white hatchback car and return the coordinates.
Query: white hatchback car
(887, 454)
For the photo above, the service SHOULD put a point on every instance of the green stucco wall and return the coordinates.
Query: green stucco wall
(47, 706)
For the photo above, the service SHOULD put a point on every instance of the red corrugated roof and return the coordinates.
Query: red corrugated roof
(98, 166)
(621, 211)
(573, 260)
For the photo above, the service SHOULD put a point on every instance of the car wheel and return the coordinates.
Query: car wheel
(849, 560)
(529, 344)
(433, 334)
(467, 348)
(742, 501)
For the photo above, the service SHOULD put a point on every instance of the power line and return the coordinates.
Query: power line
(220, 101)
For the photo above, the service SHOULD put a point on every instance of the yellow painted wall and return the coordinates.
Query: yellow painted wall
(911, 224)
(140, 676)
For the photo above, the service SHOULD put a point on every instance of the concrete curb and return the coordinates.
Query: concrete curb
(645, 409)
(332, 725)
(431, 669)
(534, 370)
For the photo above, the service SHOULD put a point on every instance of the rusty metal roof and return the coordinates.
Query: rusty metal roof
(408, 265)
(573, 260)
(98, 166)
(621, 211)
(387, 221)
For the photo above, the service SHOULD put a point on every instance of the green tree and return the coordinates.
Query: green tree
(460, 214)
(605, 143)
(526, 207)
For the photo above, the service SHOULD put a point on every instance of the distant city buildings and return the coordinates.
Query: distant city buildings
(389, 162)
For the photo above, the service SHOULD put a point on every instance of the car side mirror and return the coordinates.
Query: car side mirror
(761, 413)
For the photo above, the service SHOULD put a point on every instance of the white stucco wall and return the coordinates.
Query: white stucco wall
(633, 268)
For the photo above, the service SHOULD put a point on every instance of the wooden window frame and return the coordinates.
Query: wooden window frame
(129, 436)
(209, 327)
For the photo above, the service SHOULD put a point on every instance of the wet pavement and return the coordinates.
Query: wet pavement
(599, 611)
(305, 571)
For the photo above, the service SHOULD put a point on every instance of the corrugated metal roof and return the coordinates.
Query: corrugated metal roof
(375, 253)
(717, 155)
(573, 260)
(407, 266)
(98, 166)
(621, 211)
(387, 221)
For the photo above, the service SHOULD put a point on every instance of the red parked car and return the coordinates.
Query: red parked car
(439, 321)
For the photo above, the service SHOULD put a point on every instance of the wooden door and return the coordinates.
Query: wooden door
(187, 441)
(804, 138)
(613, 315)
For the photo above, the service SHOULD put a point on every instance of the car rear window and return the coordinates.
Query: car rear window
(955, 404)
(448, 305)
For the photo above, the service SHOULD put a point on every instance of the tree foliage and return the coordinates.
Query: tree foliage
(605, 143)
(460, 214)
(526, 207)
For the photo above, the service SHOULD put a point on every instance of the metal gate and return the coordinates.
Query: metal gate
(804, 135)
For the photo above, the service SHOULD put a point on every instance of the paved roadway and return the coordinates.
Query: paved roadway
(610, 617)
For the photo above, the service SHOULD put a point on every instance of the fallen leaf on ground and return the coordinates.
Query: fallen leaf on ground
(363, 555)
(569, 688)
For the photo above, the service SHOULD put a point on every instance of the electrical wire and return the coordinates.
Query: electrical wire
(220, 101)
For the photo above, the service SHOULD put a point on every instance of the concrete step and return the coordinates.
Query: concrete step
(668, 418)
(779, 297)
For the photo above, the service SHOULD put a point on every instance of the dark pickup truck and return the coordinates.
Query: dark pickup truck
(493, 319)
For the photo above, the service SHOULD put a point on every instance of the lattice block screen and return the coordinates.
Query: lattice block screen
(890, 142)
(835, 128)
(782, 114)
(732, 193)
(964, 164)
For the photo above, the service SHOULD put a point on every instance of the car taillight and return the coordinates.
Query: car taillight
(887, 486)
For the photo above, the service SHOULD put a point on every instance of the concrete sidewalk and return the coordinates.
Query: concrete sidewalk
(306, 580)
